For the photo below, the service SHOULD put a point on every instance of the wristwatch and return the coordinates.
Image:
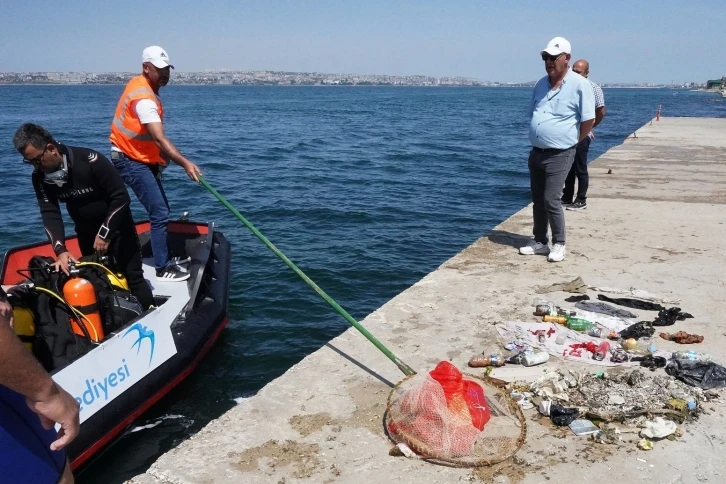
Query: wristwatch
(103, 232)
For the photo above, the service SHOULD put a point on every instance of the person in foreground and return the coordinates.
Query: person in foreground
(140, 151)
(579, 167)
(31, 403)
(563, 112)
(96, 200)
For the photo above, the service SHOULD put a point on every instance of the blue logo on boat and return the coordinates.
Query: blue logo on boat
(143, 333)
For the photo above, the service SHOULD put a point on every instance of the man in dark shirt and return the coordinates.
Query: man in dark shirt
(96, 200)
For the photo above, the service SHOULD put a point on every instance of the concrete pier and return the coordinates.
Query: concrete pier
(656, 222)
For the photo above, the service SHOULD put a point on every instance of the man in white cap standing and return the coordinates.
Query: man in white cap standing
(140, 150)
(563, 113)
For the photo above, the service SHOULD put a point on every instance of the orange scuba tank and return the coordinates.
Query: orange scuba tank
(79, 293)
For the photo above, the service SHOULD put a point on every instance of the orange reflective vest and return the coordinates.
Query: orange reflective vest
(127, 132)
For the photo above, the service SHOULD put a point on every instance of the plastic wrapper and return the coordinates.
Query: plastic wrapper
(702, 374)
(638, 330)
(562, 416)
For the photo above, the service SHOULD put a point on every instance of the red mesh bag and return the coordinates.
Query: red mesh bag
(441, 415)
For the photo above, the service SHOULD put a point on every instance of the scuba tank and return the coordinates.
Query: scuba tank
(79, 293)
(117, 280)
(24, 326)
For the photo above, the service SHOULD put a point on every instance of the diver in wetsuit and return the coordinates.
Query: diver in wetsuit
(96, 200)
(30, 404)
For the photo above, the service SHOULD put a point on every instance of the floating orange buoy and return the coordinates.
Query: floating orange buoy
(79, 293)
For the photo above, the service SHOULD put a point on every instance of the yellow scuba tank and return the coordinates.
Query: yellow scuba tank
(117, 280)
(24, 326)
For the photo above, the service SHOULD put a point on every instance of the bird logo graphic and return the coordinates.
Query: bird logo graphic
(143, 333)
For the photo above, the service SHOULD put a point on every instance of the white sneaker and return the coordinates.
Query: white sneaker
(557, 254)
(534, 248)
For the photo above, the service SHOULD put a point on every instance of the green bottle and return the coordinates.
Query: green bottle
(579, 324)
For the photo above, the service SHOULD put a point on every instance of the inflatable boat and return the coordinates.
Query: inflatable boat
(119, 376)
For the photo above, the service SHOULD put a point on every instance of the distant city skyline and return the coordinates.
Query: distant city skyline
(660, 42)
(226, 76)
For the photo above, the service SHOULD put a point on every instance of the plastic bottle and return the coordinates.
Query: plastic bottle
(543, 307)
(532, 359)
(602, 351)
(555, 319)
(595, 332)
(579, 324)
(691, 355)
(646, 346)
(479, 361)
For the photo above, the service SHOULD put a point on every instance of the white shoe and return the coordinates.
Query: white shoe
(557, 254)
(534, 248)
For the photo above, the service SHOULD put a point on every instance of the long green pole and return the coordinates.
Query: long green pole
(407, 370)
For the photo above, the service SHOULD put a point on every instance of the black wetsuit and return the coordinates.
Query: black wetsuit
(98, 203)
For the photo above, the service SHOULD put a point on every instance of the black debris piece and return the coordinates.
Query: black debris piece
(652, 362)
(562, 416)
(703, 374)
(632, 303)
(668, 317)
(573, 299)
(638, 330)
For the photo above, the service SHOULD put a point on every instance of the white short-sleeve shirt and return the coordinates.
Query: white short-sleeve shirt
(147, 111)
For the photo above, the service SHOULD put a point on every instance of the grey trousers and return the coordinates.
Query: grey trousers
(548, 170)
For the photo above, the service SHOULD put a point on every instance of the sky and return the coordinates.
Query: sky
(625, 41)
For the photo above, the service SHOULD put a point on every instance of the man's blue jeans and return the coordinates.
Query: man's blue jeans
(145, 181)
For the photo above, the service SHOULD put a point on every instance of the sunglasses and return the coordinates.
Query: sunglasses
(37, 160)
(548, 57)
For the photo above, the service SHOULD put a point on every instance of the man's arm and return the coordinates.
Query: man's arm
(21, 372)
(599, 103)
(587, 109)
(585, 128)
(51, 215)
(156, 130)
(52, 222)
(599, 114)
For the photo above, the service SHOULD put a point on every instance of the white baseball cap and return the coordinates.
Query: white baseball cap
(557, 46)
(157, 56)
